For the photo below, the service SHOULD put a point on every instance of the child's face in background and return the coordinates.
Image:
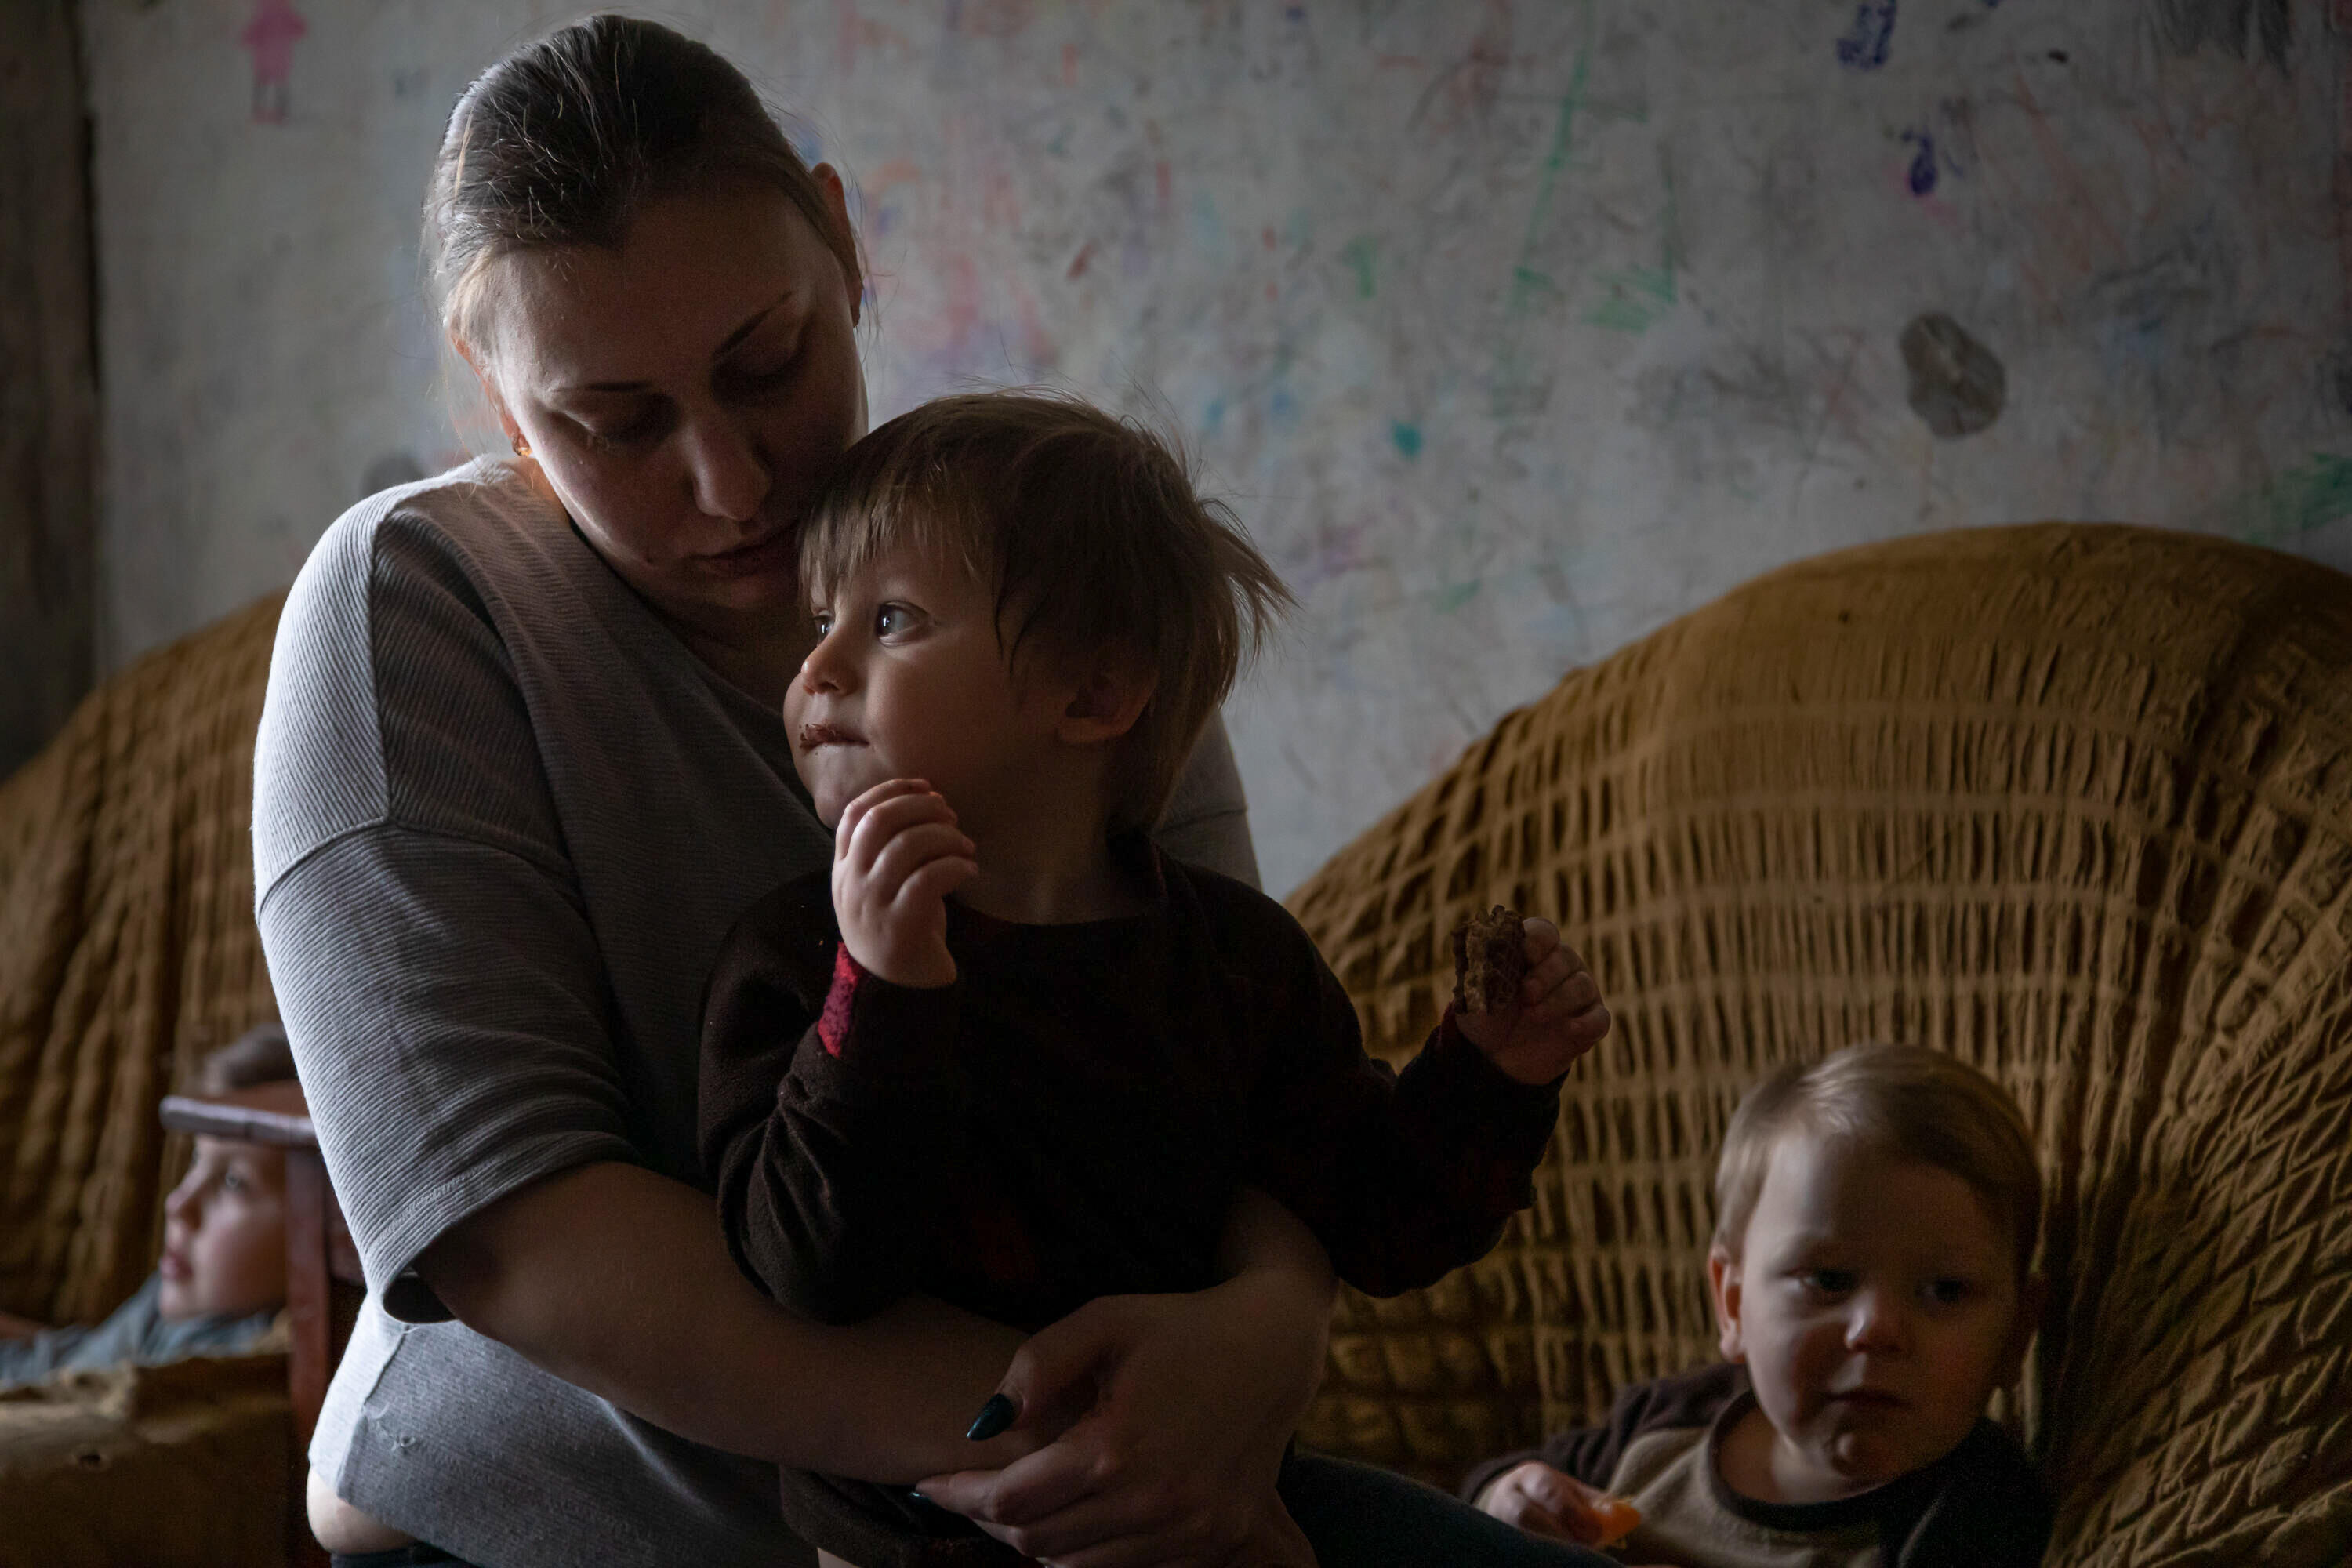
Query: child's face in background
(224, 1232)
(908, 680)
(1876, 1305)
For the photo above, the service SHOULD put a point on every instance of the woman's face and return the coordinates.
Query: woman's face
(687, 394)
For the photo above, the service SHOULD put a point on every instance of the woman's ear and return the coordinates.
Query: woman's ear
(491, 394)
(1723, 1285)
(837, 206)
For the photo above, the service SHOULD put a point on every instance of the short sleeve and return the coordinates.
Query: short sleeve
(445, 1003)
(441, 985)
(1207, 820)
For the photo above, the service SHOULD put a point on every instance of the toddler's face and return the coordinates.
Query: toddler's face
(1876, 1305)
(224, 1232)
(908, 680)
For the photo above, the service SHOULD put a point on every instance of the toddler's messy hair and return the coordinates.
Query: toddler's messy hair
(1088, 533)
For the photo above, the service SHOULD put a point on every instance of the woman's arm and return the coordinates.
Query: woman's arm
(618, 1280)
(1173, 1412)
(1180, 1408)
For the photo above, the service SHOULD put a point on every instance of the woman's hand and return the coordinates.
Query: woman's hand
(1170, 1415)
(896, 856)
(1545, 1502)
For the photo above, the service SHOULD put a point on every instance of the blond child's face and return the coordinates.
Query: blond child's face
(224, 1232)
(908, 680)
(1876, 1305)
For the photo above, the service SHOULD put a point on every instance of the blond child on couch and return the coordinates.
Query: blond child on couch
(1872, 1276)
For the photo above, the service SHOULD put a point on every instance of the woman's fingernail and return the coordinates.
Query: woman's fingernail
(994, 1417)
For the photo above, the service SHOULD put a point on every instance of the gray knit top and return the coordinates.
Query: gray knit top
(502, 819)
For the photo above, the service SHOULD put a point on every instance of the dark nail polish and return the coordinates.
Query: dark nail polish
(994, 1417)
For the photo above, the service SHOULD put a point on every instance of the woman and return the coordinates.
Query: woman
(522, 765)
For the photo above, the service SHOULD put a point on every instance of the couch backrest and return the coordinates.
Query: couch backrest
(2072, 802)
(128, 950)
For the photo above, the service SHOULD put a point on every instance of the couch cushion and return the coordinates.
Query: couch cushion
(128, 950)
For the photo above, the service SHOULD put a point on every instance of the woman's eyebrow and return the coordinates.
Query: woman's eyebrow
(750, 325)
(734, 340)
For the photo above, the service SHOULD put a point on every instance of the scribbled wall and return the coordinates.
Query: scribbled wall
(1513, 329)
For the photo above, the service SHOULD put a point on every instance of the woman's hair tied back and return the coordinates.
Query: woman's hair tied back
(565, 139)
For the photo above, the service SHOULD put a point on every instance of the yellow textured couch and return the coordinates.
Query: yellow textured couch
(128, 951)
(2074, 803)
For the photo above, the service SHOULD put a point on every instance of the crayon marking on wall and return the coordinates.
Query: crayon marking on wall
(1921, 175)
(1868, 42)
(271, 36)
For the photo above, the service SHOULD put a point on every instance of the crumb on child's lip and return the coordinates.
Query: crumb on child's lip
(811, 736)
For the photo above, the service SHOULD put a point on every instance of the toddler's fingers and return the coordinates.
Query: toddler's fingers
(908, 851)
(1541, 938)
(1558, 988)
(935, 880)
(884, 822)
(1584, 1513)
(854, 812)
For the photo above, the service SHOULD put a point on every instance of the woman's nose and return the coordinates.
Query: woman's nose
(730, 477)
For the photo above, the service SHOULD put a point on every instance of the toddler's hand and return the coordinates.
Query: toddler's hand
(1558, 1018)
(1545, 1502)
(896, 856)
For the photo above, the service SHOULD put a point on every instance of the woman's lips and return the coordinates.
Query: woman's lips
(757, 558)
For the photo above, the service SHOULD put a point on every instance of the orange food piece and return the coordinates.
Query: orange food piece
(1617, 1520)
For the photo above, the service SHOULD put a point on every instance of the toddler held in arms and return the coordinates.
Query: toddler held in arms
(1011, 1055)
(1875, 1222)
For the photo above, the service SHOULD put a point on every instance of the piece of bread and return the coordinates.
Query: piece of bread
(1490, 959)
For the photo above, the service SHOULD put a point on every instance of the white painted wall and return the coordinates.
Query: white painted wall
(1513, 329)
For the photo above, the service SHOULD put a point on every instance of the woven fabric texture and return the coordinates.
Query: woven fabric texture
(2072, 802)
(127, 951)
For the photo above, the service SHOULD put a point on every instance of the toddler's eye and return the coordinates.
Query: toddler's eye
(1946, 1293)
(893, 619)
(1830, 1281)
(824, 619)
(232, 1181)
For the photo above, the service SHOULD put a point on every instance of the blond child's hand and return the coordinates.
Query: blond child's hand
(1558, 1017)
(896, 856)
(1544, 1501)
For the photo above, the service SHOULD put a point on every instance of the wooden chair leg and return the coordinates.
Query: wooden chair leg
(308, 1308)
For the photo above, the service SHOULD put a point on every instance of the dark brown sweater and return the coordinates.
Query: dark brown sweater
(1074, 1118)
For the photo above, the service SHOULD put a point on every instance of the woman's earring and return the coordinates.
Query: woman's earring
(521, 446)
